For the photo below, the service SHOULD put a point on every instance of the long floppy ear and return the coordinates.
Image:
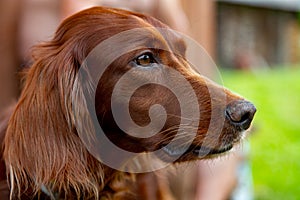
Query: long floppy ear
(42, 149)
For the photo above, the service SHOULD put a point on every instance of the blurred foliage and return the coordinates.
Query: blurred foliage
(275, 142)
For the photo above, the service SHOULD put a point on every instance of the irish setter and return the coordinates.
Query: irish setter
(52, 149)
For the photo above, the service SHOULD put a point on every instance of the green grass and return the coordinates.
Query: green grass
(275, 143)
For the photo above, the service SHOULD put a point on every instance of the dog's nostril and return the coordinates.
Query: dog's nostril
(240, 113)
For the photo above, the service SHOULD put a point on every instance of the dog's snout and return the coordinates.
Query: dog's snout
(240, 113)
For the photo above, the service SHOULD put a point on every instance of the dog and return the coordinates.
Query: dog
(51, 151)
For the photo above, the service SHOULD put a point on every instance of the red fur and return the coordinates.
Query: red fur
(41, 145)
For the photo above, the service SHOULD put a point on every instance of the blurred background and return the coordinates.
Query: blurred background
(255, 43)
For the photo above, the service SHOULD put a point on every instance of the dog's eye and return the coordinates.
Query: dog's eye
(145, 59)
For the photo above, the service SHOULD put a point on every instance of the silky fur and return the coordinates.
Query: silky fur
(42, 151)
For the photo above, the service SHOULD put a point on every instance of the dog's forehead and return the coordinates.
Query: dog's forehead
(118, 30)
(159, 38)
(164, 35)
(151, 32)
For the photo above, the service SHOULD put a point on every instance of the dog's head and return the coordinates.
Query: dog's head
(150, 98)
(127, 74)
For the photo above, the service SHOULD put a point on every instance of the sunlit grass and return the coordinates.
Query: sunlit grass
(275, 143)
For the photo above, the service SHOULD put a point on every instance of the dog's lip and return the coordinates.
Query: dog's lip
(199, 151)
(203, 151)
(174, 151)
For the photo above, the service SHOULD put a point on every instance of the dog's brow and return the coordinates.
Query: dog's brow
(157, 41)
(167, 39)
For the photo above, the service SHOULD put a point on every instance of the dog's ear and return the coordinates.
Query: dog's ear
(42, 148)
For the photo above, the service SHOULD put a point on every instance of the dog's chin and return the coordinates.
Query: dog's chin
(194, 152)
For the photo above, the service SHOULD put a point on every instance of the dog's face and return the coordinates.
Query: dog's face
(199, 119)
(142, 92)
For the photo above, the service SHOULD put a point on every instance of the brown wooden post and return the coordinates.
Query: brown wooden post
(202, 18)
(201, 14)
(9, 16)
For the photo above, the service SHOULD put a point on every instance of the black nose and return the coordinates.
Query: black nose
(240, 113)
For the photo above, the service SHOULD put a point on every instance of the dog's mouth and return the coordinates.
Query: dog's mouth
(197, 151)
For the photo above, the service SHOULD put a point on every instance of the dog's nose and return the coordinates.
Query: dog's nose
(240, 113)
